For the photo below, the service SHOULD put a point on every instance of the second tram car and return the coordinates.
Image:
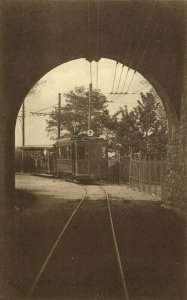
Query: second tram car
(80, 158)
(38, 159)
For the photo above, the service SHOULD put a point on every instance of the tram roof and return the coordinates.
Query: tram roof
(78, 138)
(37, 147)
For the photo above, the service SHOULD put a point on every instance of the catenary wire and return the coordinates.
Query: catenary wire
(121, 44)
(89, 40)
(45, 108)
(97, 65)
(145, 50)
(139, 43)
(139, 13)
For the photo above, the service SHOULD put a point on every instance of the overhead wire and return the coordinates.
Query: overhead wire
(139, 43)
(45, 108)
(97, 65)
(125, 80)
(139, 90)
(145, 50)
(120, 78)
(91, 73)
(134, 73)
(114, 77)
(139, 13)
(89, 40)
(147, 23)
(120, 48)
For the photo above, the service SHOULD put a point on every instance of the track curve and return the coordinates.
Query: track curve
(92, 192)
(42, 269)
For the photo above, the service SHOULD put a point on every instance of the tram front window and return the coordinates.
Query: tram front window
(82, 152)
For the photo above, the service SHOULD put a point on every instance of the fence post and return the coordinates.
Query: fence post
(149, 180)
(143, 175)
(155, 177)
(119, 162)
(139, 162)
(130, 171)
(162, 172)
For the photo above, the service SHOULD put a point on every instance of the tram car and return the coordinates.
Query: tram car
(38, 159)
(81, 158)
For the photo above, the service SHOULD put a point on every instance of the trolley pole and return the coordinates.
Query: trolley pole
(59, 113)
(89, 107)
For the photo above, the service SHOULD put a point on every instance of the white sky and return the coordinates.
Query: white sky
(64, 78)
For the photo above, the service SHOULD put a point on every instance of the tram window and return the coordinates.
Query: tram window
(66, 152)
(45, 152)
(82, 152)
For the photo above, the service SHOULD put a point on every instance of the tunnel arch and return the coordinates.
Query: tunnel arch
(38, 36)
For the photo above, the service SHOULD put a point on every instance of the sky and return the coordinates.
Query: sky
(64, 78)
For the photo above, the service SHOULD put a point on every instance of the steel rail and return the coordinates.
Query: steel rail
(124, 286)
(54, 247)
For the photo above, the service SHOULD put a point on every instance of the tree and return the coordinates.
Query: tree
(142, 130)
(127, 136)
(75, 112)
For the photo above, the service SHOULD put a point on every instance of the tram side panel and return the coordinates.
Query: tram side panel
(38, 159)
(91, 160)
(64, 159)
(81, 160)
(98, 162)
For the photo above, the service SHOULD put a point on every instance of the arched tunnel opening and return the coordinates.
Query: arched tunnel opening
(111, 248)
(130, 108)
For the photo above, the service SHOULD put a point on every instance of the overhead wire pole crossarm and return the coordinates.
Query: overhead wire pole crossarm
(41, 114)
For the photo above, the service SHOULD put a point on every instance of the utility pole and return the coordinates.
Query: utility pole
(23, 123)
(59, 113)
(23, 135)
(89, 107)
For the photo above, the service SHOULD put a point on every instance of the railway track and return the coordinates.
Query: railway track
(91, 193)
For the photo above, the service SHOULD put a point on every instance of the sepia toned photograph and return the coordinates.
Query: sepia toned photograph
(93, 149)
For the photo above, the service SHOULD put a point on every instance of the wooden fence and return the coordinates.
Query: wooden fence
(144, 175)
(118, 171)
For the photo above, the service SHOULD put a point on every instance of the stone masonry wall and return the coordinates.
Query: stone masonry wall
(174, 189)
